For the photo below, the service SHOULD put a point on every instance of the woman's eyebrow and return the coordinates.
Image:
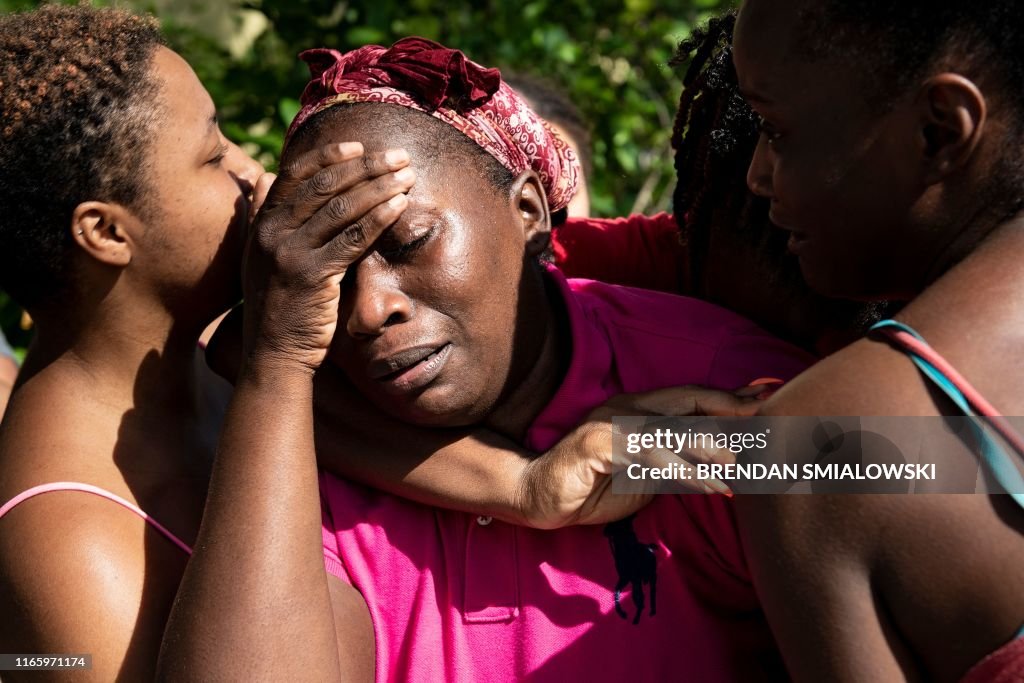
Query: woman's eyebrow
(212, 125)
(421, 213)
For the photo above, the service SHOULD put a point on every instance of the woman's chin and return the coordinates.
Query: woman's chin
(425, 412)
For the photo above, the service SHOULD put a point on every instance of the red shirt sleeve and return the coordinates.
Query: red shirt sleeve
(638, 251)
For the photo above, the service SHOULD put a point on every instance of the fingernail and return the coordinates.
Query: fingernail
(752, 390)
(398, 201)
(396, 156)
(350, 149)
(406, 175)
(767, 380)
(718, 486)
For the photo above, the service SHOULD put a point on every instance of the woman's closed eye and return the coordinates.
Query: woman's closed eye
(393, 248)
(218, 155)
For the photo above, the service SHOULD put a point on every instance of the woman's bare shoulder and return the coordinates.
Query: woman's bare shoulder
(868, 377)
(79, 573)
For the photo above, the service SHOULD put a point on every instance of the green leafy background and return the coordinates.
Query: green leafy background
(611, 58)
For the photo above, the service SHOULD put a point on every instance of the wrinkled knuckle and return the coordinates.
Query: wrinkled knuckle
(355, 235)
(321, 183)
(288, 262)
(370, 163)
(339, 209)
(279, 253)
(318, 158)
(305, 271)
(265, 237)
(387, 184)
(291, 169)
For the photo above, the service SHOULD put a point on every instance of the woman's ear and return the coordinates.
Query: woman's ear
(953, 117)
(104, 231)
(532, 209)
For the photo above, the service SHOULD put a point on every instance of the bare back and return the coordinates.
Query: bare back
(936, 579)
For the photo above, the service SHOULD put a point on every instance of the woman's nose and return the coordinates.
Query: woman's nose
(759, 175)
(244, 167)
(375, 300)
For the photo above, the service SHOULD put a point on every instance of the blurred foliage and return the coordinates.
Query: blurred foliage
(10, 318)
(609, 56)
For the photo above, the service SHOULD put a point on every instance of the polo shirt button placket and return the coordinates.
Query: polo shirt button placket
(491, 575)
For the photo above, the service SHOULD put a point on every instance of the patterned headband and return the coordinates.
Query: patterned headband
(423, 75)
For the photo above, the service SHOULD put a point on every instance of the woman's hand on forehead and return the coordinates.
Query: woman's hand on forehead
(317, 218)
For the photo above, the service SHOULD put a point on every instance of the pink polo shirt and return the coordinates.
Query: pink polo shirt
(459, 598)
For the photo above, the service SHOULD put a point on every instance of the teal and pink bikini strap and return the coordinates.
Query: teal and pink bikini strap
(95, 490)
(969, 400)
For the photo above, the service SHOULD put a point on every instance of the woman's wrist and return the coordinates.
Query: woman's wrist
(523, 504)
(277, 374)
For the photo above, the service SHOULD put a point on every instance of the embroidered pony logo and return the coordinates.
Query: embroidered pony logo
(636, 564)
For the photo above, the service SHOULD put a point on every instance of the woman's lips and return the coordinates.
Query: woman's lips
(797, 242)
(416, 368)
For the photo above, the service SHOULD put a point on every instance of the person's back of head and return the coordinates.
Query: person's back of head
(893, 133)
(896, 45)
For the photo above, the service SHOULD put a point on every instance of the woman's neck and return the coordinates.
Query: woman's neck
(125, 401)
(984, 287)
(978, 224)
(972, 315)
(551, 352)
(130, 361)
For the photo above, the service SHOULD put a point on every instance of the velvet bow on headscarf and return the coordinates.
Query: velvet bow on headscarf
(423, 75)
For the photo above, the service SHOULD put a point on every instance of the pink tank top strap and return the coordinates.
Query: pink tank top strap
(95, 490)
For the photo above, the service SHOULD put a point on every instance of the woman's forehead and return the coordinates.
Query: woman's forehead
(773, 73)
(183, 96)
(366, 130)
(377, 127)
(765, 32)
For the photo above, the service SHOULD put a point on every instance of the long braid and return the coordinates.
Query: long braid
(714, 137)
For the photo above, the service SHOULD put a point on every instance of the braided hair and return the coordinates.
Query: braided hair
(77, 106)
(714, 136)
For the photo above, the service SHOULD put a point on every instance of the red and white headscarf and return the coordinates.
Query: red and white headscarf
(423, 75)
